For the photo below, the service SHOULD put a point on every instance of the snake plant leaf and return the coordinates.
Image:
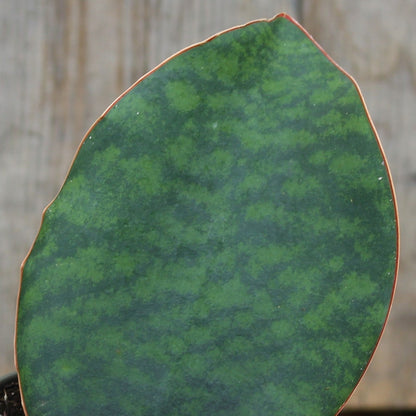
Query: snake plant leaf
(225, 242)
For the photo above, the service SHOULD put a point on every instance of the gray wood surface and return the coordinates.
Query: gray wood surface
(62, 62)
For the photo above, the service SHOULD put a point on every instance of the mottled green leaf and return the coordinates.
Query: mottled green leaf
(224, 244)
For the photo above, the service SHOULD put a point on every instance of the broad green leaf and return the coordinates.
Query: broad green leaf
(225, 242)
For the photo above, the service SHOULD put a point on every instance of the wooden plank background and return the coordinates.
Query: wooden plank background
(62, 62)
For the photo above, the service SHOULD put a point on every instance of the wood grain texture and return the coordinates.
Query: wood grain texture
(375, 41)
(62, 62)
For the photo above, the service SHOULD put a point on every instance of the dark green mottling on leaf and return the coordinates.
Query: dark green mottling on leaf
(224, 244)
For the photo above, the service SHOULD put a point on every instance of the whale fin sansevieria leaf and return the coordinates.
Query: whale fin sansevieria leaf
(225, 242)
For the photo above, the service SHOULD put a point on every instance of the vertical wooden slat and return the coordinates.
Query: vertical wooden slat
(21, 127)
(375, 40)
(62, 62)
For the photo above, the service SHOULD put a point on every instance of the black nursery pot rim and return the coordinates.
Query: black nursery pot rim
(10, 402)
(8, 378)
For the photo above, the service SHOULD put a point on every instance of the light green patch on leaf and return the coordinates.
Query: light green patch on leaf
(182, 95)
(346, 165)
(230, 294)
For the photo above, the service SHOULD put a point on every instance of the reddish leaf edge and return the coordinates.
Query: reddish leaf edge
(180, 52)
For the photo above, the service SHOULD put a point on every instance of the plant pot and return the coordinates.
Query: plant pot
(10, 404)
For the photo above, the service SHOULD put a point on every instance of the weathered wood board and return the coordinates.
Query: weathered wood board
(63, 62)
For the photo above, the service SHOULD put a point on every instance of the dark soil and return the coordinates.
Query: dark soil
(10, 404)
